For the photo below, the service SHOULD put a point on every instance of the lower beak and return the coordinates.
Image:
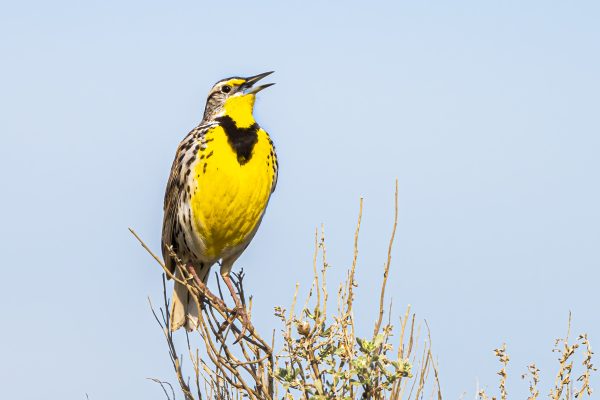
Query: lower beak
(249, 87)
(256, 89)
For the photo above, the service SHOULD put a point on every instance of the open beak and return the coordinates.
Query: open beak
(248, 86)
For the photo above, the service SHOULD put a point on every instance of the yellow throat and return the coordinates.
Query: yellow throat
(239, 109)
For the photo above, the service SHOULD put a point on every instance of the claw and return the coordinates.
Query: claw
(239, 310)
(204, 291)
(245, 320)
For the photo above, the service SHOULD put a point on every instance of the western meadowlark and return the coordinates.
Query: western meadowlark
(221, 180)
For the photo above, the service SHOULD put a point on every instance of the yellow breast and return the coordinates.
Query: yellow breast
(230, 197)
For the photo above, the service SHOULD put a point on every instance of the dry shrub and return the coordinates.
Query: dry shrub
(564, 387)
(321, 356)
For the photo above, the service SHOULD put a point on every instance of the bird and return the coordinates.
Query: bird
(220, 184)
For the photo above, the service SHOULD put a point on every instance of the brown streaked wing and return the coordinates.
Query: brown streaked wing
(174, 190)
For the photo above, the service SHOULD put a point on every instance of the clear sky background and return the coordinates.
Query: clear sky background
(486, 112)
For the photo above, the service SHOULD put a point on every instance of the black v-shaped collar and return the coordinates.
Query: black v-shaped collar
(241, 140)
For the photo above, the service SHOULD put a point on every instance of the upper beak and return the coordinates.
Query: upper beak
(248, 85)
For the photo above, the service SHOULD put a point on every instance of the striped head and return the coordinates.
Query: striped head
(234, 97)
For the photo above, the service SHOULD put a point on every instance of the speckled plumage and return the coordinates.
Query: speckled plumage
(221, 180)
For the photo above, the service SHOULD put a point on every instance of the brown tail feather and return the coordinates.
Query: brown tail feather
(184, 309)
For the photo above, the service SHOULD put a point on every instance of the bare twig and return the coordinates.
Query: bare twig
(386, 269)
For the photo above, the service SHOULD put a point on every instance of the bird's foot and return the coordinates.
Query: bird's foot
(205, 292)
(214, 301)
(241, 313)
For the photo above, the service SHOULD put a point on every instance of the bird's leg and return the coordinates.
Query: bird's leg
(204, 291)
(240, 310)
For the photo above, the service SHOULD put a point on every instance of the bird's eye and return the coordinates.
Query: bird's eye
(226, 89)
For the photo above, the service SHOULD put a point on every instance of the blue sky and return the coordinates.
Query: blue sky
(486, 112)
